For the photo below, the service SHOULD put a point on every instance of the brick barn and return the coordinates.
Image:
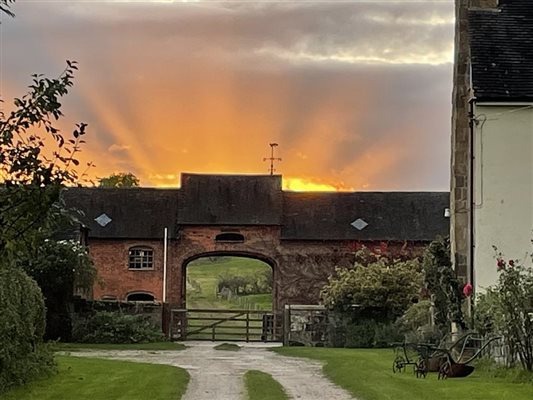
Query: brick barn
(302, 236)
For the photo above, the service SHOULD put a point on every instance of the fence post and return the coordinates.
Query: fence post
(286, 324)
(247, 326)
(171, 325)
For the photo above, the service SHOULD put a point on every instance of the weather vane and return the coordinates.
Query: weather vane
(272, 158)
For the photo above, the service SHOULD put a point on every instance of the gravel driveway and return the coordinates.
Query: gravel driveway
(218, 375)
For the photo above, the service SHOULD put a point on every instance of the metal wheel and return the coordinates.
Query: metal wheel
(421, 369)
(398, 365)
(444, 370)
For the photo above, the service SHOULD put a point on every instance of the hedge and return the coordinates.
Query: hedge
(116, 327)
(23, 355)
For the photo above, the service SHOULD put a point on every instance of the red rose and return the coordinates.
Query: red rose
(468, 289)
(500, 263)
(511, 263)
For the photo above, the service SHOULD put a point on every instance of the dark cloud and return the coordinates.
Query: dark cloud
(354, 92)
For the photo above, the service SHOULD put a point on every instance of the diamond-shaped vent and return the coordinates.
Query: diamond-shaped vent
(103, 220)
(359, 224)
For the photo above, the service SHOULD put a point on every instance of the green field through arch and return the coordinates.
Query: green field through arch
(249, 283)
(219, 289)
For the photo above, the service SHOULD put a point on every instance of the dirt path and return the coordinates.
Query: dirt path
(218, 374)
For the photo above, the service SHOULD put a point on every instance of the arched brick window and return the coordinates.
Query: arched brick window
(140, 258)
(140, 296)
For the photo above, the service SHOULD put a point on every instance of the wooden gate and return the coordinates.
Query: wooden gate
(225, 325)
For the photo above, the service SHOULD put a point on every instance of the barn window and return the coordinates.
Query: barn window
(141, 258)
(229, 237)
(140, 296)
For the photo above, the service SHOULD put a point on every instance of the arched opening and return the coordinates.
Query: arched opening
(229, 296)
(226, 281)
(140, 296)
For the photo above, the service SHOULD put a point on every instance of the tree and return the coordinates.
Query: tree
(36, 161)
(443, 286)
(32, 176)
(119, 180)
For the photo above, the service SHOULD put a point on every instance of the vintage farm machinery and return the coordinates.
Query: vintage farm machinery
(451, 362)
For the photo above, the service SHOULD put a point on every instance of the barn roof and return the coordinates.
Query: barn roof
(365, 216)
(135, 213)
(230, 200)
(501, 45)
(142, 213)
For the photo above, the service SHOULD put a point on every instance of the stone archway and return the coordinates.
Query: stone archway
(229, 253)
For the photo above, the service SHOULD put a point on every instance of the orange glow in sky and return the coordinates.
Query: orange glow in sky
(304, 185)
(357, 94)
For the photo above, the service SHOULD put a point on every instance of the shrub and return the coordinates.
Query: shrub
(23, 356)
(366, 300)
(362, 332)
(416, 324)
(60, 268)
(116, 327)
(245, 285)
(389, 285)
(507, 308)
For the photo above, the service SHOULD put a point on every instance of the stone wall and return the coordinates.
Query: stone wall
(460, 146)
(460, 196)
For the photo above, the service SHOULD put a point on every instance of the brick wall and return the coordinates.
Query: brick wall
(300, 268)
(261, 242)
(115, 279)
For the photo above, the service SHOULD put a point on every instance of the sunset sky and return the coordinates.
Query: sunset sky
(356, 93)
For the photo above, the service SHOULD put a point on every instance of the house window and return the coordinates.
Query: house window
(140, 296)
(141, 258)
(229, 237)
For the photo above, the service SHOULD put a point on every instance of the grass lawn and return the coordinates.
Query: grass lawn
(367, 374)
(227, 347)
(261, 386)
(95, 379)
(100, 346)
(202, 275)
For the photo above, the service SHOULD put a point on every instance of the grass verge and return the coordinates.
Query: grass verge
(227, 347)
(96, 379)
(367, 374)
(105, 346)
(261, 386)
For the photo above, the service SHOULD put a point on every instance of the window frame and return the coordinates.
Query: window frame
(142, 260)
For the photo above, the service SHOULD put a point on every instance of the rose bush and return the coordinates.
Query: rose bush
(507, 309)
